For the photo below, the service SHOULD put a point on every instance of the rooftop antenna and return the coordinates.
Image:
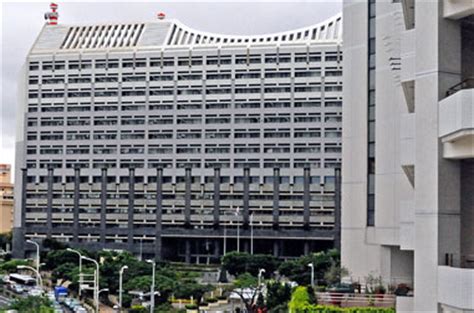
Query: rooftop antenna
(52, 17)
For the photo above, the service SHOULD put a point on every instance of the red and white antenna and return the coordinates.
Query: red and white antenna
(52, 17)
(161, 15)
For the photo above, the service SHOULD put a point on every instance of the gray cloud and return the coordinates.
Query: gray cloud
(21, 23)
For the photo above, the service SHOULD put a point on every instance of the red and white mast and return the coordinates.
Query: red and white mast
(52, 17)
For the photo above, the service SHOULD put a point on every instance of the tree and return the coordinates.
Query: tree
(237, 263)
(247, 288)
(278, 295)
(298, 271)
(32, 305)
(10, 266)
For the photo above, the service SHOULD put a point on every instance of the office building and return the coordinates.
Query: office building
(408, 145)
(6, 199)
(162, 140)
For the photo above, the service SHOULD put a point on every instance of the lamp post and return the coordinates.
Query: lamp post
(120, 285)
(260, 273)
(152, 290)
(39, 280)
(96, 282)
(311, 265)
(80, 267)
(37, 253)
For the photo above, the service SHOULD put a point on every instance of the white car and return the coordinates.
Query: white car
(36, 292)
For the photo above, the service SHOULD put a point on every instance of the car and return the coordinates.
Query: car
(51, 296)
(35, 292)
(17, 289)
(80, 309)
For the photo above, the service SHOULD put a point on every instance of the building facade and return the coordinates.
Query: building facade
(6, 199)
(408, 145)
(162, 140)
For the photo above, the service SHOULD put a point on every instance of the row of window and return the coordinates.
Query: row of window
(190, 91)
(171, 76)
(140, 106)
(296, 180)
(53, 150)
(190, 163)
(183, 61)
(185, 119)
(181, 135)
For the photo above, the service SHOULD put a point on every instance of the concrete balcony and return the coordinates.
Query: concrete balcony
(407, 145)
(456, 124)
(407, 74)
(457, 9)
(456, 288)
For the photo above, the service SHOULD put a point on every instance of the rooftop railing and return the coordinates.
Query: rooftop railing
(467, 83)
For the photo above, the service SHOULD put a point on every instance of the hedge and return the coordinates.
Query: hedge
(332, 309)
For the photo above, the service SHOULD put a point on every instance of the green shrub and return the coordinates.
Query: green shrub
(211, 300)
(332, 309)
(299, 300)
(191, 307)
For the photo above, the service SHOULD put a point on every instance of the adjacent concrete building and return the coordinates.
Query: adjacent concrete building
(6, 199)
(162, 140)
(408, 149)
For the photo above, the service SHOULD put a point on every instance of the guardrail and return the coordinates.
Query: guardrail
(465, 84)
(356, 299)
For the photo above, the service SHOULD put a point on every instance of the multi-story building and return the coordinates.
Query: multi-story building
(162, 140)
(6, 199)
(408, 145)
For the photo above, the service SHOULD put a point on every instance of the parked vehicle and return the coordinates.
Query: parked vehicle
(35, 292)
(24, 280)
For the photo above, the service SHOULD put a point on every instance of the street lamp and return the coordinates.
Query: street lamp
(152, 291)
(39, 280)
(80, 267)
(96, 283)
(311, 265)
(37, 253)
(125, 267)
(260, 273)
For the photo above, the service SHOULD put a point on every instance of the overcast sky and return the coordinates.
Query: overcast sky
(21, 23)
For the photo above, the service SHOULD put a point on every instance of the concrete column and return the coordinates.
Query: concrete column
(306, 247)
(187, 256)
(103, 205)
(246, 246)
(24, 173)
(18, 241)
(306, 197)
(131, 203)
(49, 205)
(187, 198)
(276, 250)
(217, 198)
(77, 181)
(246, 198)
(159, 212)
(337, 209)
(276, 197)
(217, 248)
